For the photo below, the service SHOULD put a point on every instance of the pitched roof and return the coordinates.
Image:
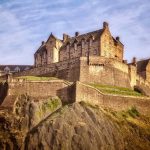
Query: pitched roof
(142, 64)
(96, 34)
(41, 48)
(52, 35)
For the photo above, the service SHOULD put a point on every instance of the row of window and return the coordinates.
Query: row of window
(83, 45)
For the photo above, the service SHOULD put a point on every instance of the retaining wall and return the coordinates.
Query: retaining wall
(92, 95)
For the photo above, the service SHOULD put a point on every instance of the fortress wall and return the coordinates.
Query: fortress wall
(109, 61)
(92, 95)
(36, 88)
(68, 70)
(103, 74)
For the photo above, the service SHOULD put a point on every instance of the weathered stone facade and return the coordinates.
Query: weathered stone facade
(96, 43)
(48, 52)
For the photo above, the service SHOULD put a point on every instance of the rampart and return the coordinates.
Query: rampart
(92, 95)
(72, 92)
(68, 70)
(104, 71)
(93, 69)
(36, 89)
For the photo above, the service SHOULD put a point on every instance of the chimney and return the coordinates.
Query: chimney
(76, 33)
(134, 61)
(65, 37)
(43, 42)
(105, 25)
(118, 38)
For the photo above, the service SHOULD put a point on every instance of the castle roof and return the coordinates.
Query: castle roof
(96, 34)
(142, 64)
(41, 48)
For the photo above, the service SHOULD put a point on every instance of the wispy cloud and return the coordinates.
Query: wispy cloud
(24, 24)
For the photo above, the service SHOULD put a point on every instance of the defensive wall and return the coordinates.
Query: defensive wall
(92, 95)
(73, 92)
(89, 69)
(35, 89)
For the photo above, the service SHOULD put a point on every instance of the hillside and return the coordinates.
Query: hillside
(79, 126)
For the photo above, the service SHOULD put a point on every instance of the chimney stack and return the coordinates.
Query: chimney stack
(134, 61)
(65, 37)
(118, 38)
(43, 42)
(76, 33)
(105, 25)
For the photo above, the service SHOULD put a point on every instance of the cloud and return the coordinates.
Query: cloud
(24, 24)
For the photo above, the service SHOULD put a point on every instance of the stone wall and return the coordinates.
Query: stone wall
(95, 69)
(36, 88)
(103, 71)
(68, 70)
(92, 95)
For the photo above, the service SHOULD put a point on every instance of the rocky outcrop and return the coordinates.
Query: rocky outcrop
(45, 124)
(85, 127)
(27, 113)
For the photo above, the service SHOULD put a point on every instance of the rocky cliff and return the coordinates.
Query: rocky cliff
(77, 126)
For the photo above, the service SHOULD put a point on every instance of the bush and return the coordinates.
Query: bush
(133, 112)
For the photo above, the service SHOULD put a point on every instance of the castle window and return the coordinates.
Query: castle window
(67, 48)
(95, 52)
(75, 46)
(83, 43)
(91, 42)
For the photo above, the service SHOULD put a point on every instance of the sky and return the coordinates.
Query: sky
(25, 23)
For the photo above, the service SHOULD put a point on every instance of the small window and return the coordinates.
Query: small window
(83, 43)
(68, 48)
(75, 46)
(95, 52)
(91, 42)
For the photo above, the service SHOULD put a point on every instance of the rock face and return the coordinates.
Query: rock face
(84, 127)
(46, 125)
(27, 113)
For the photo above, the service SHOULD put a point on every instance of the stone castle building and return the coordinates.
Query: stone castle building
(96, 43)
(94, 57)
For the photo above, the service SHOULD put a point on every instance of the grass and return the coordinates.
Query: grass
(116, 90)
(35, 78)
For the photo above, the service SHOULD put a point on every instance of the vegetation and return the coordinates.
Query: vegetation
(116, 90)
(50, 105)
(36, 78)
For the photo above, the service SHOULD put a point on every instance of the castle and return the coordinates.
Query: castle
(92, 58)
(95, 57)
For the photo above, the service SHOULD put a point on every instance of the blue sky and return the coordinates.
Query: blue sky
(25, 23)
